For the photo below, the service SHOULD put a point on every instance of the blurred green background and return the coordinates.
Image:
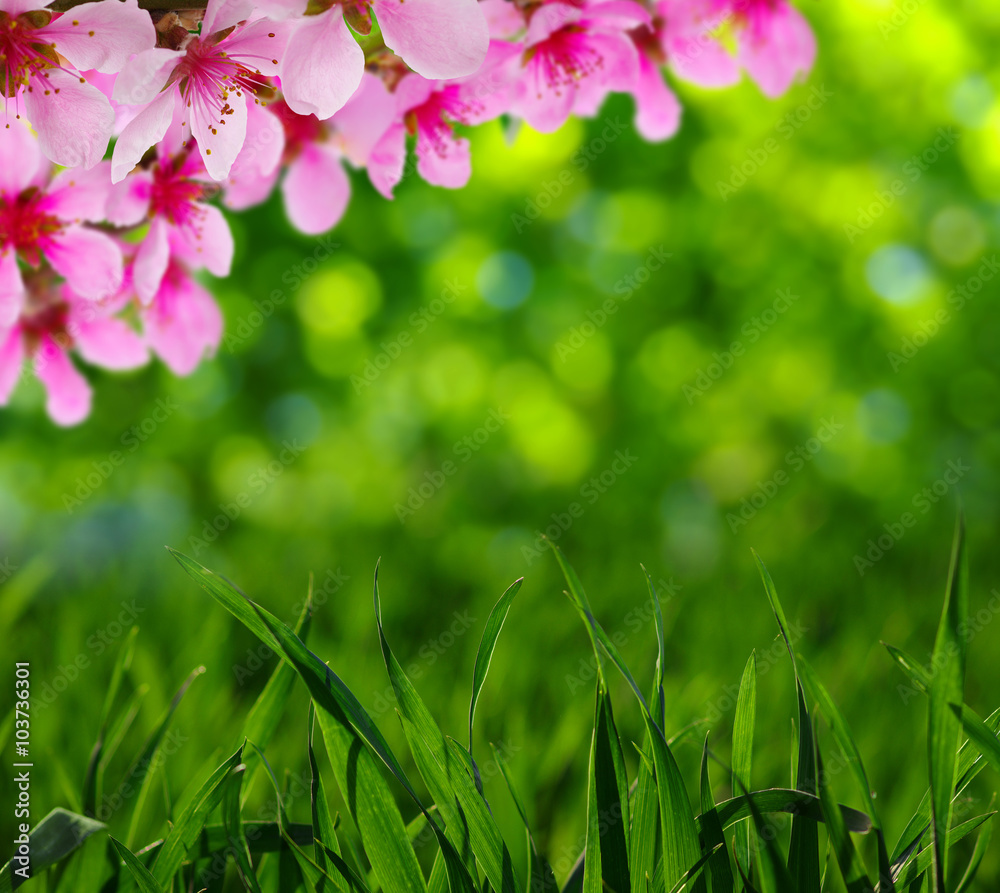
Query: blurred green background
(522, 267)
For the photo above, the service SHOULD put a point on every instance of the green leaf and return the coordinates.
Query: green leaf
(852, 869)
(924, 859)
(920, 678)
(743, 729)
(491, 633)
(947, 686)
(193, 817)
(233, 822)
(264, 717)
(52, 839)
(606, 862)
(771, 800)
(322, 822)
(982, 844)
(980, 734)
(659, 715)
(970, 764)
(144, 880)
(147, 757)
(774, 876)
(346, 728)
(92, 778)
(803, 844)
(712, 838)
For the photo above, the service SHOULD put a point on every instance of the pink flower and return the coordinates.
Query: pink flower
(209, 81)
(40, 219)
(776, 44)
(686, 32)
(182, 324)
(436, 38)
(55, 321)
(315, 187)
(573, 56)
(41, 57)
(171, 195)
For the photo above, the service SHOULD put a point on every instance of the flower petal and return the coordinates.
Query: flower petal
(360, 124)
(184, 323)
(385, 165)
(777, 51)
(128, 200)
(111, 343)
(657, 111)
(220, 140)
(11, 290)
(322, 66)
(19, 158)
(69, 394)
(90, 261)
(443, 159)
(436, 38)
(80, 194)
(316, 190)
(209, 244)
(73, 120)
(102, 36)
(151, 259)
(143, 77)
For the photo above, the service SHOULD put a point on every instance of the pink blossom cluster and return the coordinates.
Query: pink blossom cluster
(122, 126)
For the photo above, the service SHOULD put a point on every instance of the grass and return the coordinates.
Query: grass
(644, 833)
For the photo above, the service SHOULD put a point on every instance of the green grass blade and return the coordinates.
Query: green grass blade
(923, 860)
(982, 845)
(92, 777)
(712, 837)
(147, 756)
(264, 717)
(743, 729)
(654, 596)
(803, 845)
(980, 734)
(774, 876)
(233, 823)
(970, 764)
(920, 678)
(728, 812)
(491, 633)
(192, 819)
(606, 863)
(852, 869)
(947, 687)
(143, 879)
(487, 842)
(53, 838)
(324, 830)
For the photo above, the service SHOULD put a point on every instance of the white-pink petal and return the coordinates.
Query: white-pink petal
(69, 394)
(151, 259)
(110, 342)
(144, 130)
(209, 244)
(220, 141)
(102, 35)
(11, 290)
(657, 111)
(80, 194)
(90, 261)
(11, 361)
(316, 190)
(184, 324)
(19, 158)
(73, 120)
(322, 65)
(437, 38)
(784, 49)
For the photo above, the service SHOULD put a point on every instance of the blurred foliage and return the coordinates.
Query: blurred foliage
(488, 298)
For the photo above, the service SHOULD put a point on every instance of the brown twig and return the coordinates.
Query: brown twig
(152, 5)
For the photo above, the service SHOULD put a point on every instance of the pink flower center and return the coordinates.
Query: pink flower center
(176, 196)
(563, 58)
(300, 130)
(24, 54)
(25, 225)
(207, 75)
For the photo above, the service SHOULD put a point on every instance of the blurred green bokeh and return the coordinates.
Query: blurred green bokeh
(816, 245)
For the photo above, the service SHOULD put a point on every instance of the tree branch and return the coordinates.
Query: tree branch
(151, 5)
